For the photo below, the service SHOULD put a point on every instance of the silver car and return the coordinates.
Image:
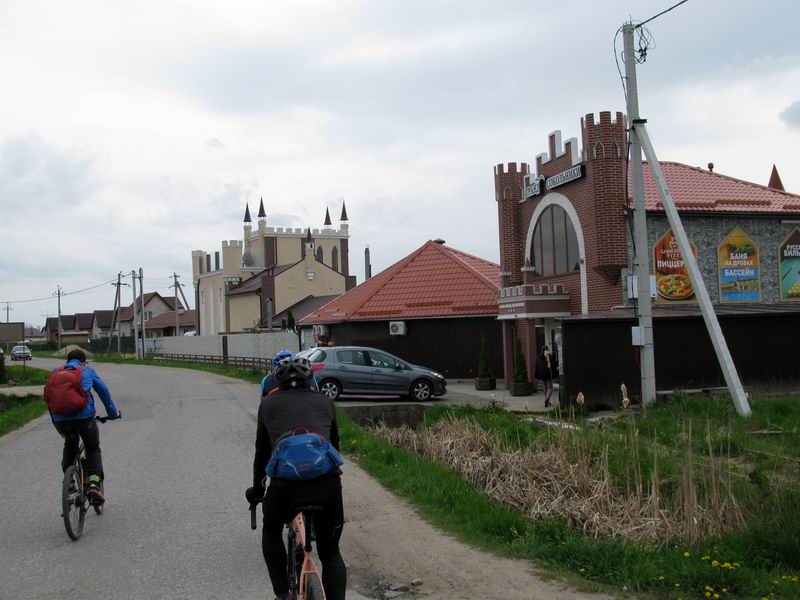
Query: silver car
(360, 371)
(21, 353)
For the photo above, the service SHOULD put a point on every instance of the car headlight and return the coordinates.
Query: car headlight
(437, 375)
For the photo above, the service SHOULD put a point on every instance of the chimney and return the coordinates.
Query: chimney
(367, 265)
(711, 167)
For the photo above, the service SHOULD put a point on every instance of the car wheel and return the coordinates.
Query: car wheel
(421, 390)
(331, 388)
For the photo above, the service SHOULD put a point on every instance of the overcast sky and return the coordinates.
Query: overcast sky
(132, 134)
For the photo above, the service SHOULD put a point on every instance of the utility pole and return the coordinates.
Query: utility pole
(141, 313)
(114, 317)
(186, 304)
(8, 308)
(641, 263)
(177, 316)
(639, 133)
(135, 318)
(58, 293)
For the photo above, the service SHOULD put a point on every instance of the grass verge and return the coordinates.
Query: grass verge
(758, 562)
(19, 375)
(15, 411)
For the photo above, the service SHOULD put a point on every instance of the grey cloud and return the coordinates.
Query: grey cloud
(791, 114)
(39, 175)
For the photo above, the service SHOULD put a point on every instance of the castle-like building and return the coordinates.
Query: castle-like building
(257, 281)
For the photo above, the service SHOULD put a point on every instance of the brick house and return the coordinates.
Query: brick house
(565, 235)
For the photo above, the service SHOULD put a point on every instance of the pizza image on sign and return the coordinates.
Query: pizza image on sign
(672, 277)
(789, 266)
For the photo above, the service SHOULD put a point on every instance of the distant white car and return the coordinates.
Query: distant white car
(189, 333)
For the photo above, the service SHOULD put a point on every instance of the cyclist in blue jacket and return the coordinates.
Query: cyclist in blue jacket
(269, 383)
(81, 424)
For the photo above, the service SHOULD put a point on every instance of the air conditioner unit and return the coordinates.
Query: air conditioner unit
(397, 327)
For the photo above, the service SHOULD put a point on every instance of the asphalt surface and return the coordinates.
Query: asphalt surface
(176, 523)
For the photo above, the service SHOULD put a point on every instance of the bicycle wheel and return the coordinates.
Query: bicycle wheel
(72, 502)
(314, 587)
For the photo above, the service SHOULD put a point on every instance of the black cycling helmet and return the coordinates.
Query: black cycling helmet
(293, 372)
(78, 355)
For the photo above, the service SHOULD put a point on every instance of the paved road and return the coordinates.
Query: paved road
(176, 524)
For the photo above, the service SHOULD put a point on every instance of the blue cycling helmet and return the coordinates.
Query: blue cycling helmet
(279, 356)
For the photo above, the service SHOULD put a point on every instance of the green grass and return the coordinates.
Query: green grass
(15, 411)
(32, 375)
(766, 552)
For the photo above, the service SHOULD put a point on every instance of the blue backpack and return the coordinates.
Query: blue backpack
(301, 456)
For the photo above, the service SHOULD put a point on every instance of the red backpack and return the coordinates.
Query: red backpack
(64, 393)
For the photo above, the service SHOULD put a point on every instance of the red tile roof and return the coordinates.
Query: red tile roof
(433, 281)
(167, 319)
(698, 190)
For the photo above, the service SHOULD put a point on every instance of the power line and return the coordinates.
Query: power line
(92, 287)
(663, 12)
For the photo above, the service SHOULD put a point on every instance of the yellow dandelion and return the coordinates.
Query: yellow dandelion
(716, 595)
(714, 563)
(677, 585)
(581, 570)
(784, 577)
(706, 557)
(708, 594)
(736, 565)
(661, 578)
(708, 588)
(685, 555)
(724, 590)
(794, 578)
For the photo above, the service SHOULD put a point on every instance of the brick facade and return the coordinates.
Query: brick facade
(597, 199)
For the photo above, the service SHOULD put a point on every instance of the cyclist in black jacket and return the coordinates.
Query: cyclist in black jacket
(279, 414)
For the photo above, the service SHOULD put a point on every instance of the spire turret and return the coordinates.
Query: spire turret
(344, 213)
(262, 214)
(247, 218)
(327, 217)
(309, 240)
(775, 180)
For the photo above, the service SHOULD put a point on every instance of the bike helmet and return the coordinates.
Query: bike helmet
(279, 356)
(293, 371)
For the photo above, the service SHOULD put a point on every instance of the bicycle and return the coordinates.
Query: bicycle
(74, 491)
(305, 580)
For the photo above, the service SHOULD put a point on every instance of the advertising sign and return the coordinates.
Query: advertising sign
(12, 332)
(672, 277)
(789, 266)
(739, 268)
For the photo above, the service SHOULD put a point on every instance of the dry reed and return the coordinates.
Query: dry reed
(564, 475)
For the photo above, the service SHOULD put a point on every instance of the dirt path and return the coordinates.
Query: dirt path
(385, 542)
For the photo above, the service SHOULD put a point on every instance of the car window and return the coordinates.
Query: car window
(317, 356)
(379, 359)
(351, 357)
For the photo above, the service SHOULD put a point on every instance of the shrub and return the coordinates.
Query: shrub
(3, 373)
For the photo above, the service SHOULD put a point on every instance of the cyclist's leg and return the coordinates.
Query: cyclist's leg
(328, 527)
(71, 439)
(90, 433)
(272, 540)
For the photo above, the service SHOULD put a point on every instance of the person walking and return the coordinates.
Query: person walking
(546, 370)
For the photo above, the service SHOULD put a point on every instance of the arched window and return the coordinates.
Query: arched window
(319, 254)
(335, 259)
(554, 249)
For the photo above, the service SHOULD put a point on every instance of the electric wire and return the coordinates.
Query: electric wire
(663, 12)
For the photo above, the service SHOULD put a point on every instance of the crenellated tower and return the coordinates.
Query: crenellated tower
(508, 183)
(604, 153)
